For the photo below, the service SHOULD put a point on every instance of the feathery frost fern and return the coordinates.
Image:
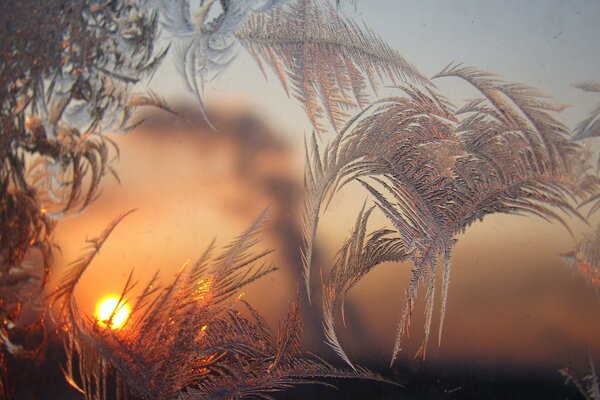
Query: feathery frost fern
(65, 70)
(187, 340)
(204, 46)
(433, 171)
(589, 385)
(324, 59)
(585, 258)
(589, 127)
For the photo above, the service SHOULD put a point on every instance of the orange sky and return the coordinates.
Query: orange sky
(511, 299)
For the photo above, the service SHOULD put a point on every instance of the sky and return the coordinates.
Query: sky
(511, 300)
(546, 44)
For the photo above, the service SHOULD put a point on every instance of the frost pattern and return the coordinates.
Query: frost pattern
(187, 340)
(433, 171)
(324, 60)
(588, 386)
(430, 168)
(65, 71)
(205, 46)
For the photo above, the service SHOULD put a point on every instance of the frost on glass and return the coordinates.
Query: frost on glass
(431, 167)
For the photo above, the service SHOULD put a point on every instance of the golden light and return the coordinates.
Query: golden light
(203, 289)
(108, 307)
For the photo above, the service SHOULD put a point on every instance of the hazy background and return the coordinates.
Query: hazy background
(512, 303)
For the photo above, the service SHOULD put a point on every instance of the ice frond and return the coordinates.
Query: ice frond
(587, 129)
(64, 82)
(522, 108)
(590, 126)
(138, 103)
(433, 172)
(359, 255)
(585, 258)
(205, 46)
(589, 86)
(324, 59)
(364, 148)
(510, 164)
(589, 385)
(188, 339)
(63, 293)
(58, 92)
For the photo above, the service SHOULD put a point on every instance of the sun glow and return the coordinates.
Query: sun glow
(203, 289)
(108, 307)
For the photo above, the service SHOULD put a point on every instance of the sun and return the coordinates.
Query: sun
(105, 309)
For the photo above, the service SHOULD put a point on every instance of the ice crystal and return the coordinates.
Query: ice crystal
(64, 77)
(589, 385)
(188, 340)
(324, 59)
(433, 171)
